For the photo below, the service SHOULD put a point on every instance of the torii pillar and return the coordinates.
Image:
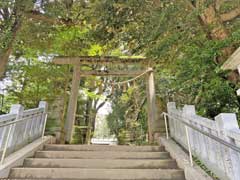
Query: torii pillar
(72, 105)
(151, 103)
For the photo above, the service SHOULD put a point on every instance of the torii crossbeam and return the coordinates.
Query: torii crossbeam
(77, 62)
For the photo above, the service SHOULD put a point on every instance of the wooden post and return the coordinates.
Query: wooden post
(72, 105)
(151, 104)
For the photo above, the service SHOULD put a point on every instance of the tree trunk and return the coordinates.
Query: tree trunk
(4, 56)
(211, 19)
(94, 116)
(88, 120)
(217, 30)
(4, 60)
(91, 125)
(89, 129)
(213, 22)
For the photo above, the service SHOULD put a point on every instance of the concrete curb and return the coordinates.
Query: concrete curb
(17, 158)
(191, 173)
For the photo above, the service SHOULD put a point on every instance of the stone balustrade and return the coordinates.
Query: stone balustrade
(210, 140)
(21, 127)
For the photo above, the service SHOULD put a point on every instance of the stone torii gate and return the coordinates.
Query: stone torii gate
(77, 62)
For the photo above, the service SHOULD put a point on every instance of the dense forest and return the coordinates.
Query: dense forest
(188, 41)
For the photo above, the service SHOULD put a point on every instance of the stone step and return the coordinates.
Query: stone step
(72, 179)
(97, 174)
(101, 163)
(101, 155)
(104, 148)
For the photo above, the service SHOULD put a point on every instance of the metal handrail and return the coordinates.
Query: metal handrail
(221, 141)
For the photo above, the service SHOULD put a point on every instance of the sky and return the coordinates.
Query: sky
(106, 109)
(3, 85)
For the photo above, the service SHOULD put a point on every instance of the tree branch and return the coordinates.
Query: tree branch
(140, 108)
(106, 99)
(40, 17)
(6, 13)
(218, 4)
(4, 56)
(101, 105)
(200, 4)
(230, 15)
(190, 4)
(36, 15)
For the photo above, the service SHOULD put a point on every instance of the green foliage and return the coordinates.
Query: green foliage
(167, 31)
(122, 121)
(122, 135)
(51, 126)
(93, 95)
(75, 37)
(199, 77)
(116, 120)
(102, 130)
(78, 136)
(32, 80)
(171, 33)
(11, 13)
(203, 166)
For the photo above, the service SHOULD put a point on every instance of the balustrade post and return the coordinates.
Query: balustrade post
(11, 135)
(16, 131)
(227, 122)
(17, 109)
(43, 104)
(171, 107)
(188, 113)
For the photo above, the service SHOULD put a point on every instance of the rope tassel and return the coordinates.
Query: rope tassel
(113, 88)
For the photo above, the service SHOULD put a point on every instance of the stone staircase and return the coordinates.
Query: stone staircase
(99, 162)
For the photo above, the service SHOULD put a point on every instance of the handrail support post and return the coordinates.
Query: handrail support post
(166, 125)
(189, 146)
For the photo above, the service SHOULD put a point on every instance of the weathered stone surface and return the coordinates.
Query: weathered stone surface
(104, 148)
(99, 162)
(77, 173)
(101, 155)
(215, 143)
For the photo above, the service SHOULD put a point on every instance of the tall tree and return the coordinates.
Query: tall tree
(189, 41)
(10, 21)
